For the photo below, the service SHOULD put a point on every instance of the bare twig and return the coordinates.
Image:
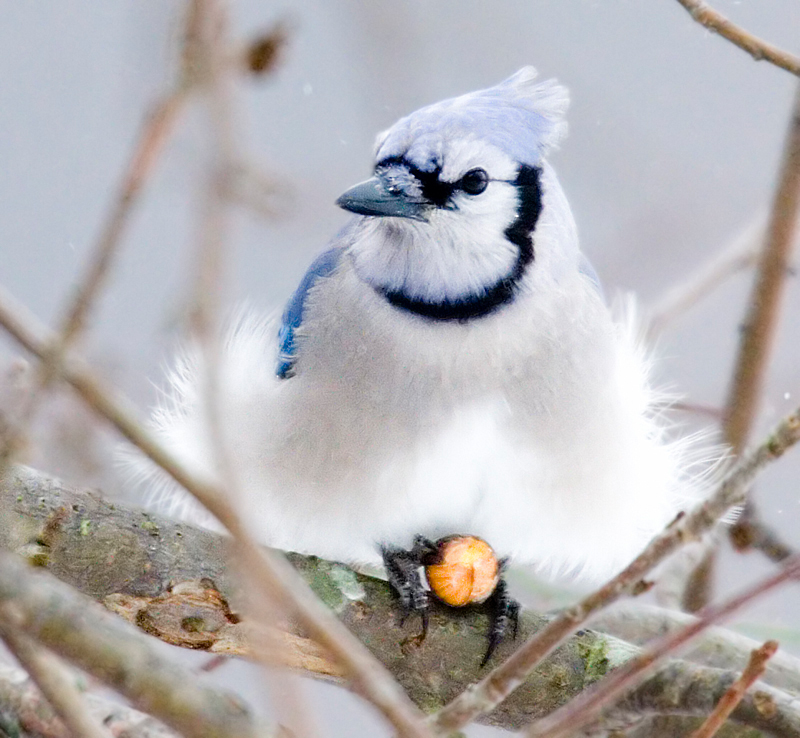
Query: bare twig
(495, 687)
(756, 346)
(750, 532)
(705, 411)
(676, 690)
(753, 671)
(756, 47)
(152, 138)
(21, 698)
(760, 325)
(51, 676)
(740, 254)
(639, 624)
(154, 134)
(758, 334)
(117, 654)
(368, 676)
(586, 706)
(210, 21)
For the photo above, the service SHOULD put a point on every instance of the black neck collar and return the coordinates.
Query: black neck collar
(504, 290)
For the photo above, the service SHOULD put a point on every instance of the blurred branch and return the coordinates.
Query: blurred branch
(117, 654)
(586, 707)
(51, 676)
(152, 138)
(502, 681)
(113, 552)
(740, 254)
(720, 648)
(758, 334)
(20, 698)
(750, 532)
(274, 586)
(265, 571)
(756, 47)
(756, 344)
(675, 690)
(736, 692)
(760, 325)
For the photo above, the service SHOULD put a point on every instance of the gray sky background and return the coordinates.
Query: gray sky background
(675, 138)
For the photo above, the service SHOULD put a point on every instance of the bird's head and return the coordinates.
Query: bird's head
(459, 188)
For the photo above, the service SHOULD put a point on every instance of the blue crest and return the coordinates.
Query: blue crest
(518, 116)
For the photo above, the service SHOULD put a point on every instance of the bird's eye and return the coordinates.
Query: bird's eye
(475, 181)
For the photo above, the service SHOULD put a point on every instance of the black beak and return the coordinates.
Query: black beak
(372, 198)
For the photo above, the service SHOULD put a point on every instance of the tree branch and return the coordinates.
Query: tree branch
(20, 698)
(740, 254)
(756, 666)
(720, 648)
(756, 347)
(72, 626)
(51, 676)
(585, 708)
(761, 323)
(503, 680)
(757, 48)
(676, 690)
(117, 553)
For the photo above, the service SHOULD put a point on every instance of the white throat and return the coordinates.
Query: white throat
(457, 254)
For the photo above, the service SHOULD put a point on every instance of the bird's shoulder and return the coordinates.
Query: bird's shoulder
(294, 312)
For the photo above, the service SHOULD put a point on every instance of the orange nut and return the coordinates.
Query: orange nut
(466, 571)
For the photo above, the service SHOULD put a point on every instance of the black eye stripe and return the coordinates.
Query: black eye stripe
(435, 191)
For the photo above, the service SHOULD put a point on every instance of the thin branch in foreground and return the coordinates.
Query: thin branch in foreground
(585, 707)
(752, 672)
(118, 654)
(760, 50)
(681, 690)
(496, 686)
(263, 569)
(51, 676)
(640, 624)
(759, 331)
(22, 699)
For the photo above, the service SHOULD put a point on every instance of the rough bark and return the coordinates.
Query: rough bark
(132, 559)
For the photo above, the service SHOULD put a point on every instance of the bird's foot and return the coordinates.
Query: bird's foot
(403, 573)
(461, 570)
(504, 614)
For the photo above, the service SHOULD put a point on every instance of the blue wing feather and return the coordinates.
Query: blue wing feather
(321, 267)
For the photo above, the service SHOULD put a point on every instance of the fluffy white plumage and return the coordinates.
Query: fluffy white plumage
(531, 425)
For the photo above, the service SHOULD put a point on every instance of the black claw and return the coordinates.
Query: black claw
(504, 611)
(402, 569)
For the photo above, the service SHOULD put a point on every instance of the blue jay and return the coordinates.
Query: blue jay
(447, 365)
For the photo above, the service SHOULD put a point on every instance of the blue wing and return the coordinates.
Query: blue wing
(321, 267)
(585, 267)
